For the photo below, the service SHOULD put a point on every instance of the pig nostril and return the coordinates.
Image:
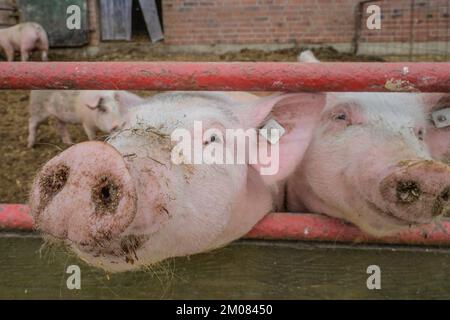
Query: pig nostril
(52, 182)
(441, 205)
(445, 195)
(106, 196)
(408, 191)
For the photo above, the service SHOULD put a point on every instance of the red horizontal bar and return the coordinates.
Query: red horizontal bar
(315, 227)
(284, 226)
(227, 76)
(15, 217)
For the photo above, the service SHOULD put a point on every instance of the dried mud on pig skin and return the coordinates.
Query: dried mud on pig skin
(129, 245)
(51, 182)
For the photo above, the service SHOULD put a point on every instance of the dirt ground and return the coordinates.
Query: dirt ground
(19, 164)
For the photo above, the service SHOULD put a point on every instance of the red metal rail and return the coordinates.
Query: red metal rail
(283, 226)
(15, 217)
(227, 76)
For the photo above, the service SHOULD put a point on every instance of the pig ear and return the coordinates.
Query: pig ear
(127, 99)
(93, 101)
(299, 115)
(256, 113)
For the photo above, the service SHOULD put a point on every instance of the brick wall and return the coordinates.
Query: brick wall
(192, 22)
(418, 20)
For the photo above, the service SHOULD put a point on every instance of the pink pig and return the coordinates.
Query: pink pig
(95, 110)
(365, 160)
(387, 140)
(24, 37)
(125, 204)
(437, 111)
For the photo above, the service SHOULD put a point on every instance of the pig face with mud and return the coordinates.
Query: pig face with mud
(124, 203)
(437, 110)
(367, 162)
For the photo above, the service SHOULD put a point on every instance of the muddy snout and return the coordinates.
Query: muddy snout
(85, 195)
(417, 191)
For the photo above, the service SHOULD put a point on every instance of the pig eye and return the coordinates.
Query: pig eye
(341, 116)
(101, 108)
(213, 138)
(420, 134)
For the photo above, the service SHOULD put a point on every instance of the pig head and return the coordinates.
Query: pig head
(104, 110)
(437, 110)
(124, 203)
(367, 162)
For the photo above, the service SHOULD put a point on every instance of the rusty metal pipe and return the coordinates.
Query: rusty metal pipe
(227, 76)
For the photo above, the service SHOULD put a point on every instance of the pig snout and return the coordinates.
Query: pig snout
(115, 126)
(417, 191)
(84, 195)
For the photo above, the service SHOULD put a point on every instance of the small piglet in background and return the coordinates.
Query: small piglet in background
(24, 37)
(105, 111)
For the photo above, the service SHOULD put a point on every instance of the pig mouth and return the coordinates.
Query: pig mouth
(387, 215)
(122, 250)
(125, 249)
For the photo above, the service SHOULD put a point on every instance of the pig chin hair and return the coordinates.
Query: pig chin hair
(52, 245)
(378, 228)
(380, 224)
